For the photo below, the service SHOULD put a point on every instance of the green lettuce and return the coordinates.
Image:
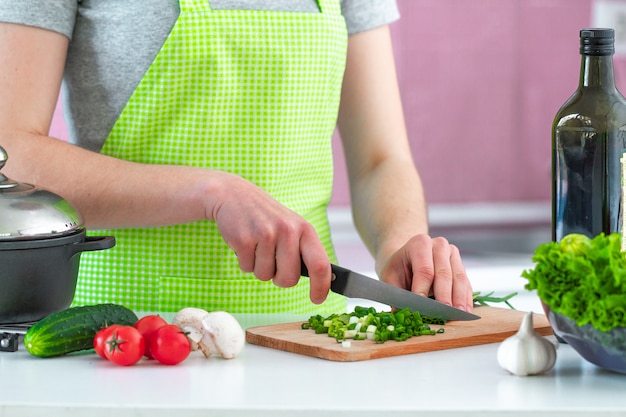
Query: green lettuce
(583, 279)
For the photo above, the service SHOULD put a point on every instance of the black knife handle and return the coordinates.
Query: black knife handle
(304, 271)
(339, 276)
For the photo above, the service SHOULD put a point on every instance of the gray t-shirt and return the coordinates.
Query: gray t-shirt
(113, 43)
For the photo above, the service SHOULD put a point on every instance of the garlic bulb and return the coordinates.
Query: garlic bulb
(526, 352)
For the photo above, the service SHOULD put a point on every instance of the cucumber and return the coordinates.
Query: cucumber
(74, 329)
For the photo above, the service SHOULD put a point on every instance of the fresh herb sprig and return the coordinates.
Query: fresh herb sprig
(484, 299)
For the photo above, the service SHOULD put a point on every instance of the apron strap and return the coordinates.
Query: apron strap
(329, 6)
(325, 6)
(187, 6)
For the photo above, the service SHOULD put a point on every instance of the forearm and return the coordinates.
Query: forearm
(108, 192)
(386, 191)
(388, 207)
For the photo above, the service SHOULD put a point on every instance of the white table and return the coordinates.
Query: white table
(266, 382)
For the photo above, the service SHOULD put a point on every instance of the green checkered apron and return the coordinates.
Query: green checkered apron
(250, 92)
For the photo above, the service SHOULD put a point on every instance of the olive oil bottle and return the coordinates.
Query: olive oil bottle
(588, 144)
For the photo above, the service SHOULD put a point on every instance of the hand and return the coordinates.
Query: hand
(430, 266)
(269, 239)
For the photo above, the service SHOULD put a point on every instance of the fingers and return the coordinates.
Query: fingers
(279, 260)
(420, 257)
(277, 255)
(319, 274)
(451, 284)
(462, 287)
(274, 248)
(431, 267)
(443, 280)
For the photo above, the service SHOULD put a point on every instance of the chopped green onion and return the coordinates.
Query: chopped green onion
(366, 323)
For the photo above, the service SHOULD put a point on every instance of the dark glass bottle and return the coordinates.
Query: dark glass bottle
(588, 142)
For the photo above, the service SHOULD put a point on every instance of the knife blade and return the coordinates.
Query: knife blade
(355, 285)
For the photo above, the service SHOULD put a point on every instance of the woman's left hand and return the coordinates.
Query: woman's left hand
(430, 267)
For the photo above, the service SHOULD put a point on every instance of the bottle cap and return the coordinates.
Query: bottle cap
(597, 41)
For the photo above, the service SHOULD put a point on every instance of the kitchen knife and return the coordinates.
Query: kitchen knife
(355, 285)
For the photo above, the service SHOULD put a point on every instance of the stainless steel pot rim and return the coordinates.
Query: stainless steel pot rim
(45, 242)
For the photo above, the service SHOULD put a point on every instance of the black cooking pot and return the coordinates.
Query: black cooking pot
(41, 239)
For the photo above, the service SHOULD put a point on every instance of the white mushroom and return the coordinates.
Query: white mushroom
(190, 321)
(223, 334)
(216, 333)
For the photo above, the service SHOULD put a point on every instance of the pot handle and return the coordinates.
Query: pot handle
(92, 243)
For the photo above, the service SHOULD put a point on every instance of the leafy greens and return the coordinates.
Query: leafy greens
(583, 279)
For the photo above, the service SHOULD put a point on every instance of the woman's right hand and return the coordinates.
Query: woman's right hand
(269, 239)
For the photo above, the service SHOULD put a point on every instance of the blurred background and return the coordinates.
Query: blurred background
(481, 81)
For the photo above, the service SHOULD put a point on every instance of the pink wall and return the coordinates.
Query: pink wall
(481, 81)
(58, 129)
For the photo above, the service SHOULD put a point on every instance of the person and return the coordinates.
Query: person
(200, 137)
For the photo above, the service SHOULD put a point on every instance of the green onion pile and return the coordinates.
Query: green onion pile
(367, 323)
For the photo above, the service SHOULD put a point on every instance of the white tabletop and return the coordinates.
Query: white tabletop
(265, 382)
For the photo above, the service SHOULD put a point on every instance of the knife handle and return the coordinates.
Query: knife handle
(336, 285)
(304, 271)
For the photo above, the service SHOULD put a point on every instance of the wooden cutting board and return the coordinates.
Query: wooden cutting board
(495, 325)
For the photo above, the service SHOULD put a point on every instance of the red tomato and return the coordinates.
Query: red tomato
(170, 345)
(125, 346)
(99, 341)
(147, 326)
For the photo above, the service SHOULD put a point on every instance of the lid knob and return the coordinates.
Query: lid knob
(4, 181)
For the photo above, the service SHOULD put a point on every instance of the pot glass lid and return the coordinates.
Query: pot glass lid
(29, 212)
